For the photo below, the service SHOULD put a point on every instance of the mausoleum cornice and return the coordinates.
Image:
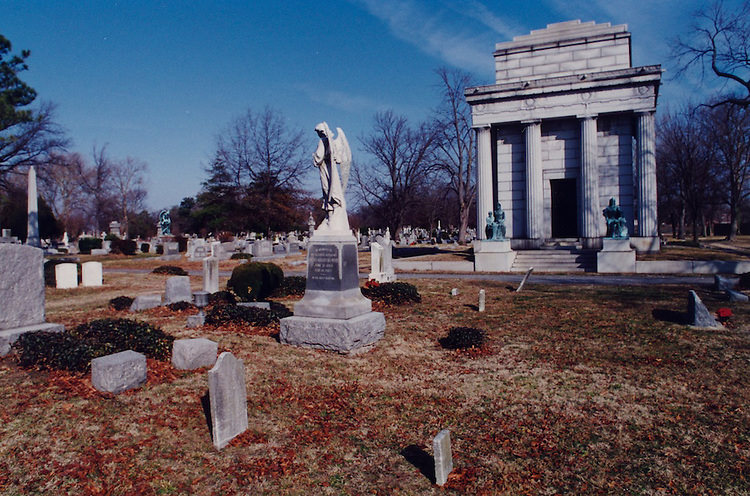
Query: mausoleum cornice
(622, 90)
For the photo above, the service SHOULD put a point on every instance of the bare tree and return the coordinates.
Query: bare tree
(455, 143)
(686, 160)
(30, 142)
(128, 181)
(728, 129)
(261, 156)
(403, 160)
(98, 184)
(63, 190)
(720, 41)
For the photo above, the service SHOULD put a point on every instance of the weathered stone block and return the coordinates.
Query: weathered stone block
(736, 296)
(190, 354)
(118, 372)
(21, 285)
(9, 336)
(698, 314)
(228, 398)
(196, 320)
(441, 449)
(341, 335)
(145, 301)
(177, 288)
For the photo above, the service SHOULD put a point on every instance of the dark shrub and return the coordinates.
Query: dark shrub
(255, 281)
(280, 311)
(145, 247)
(241, 256)
(111, 237)
(228, 314)
(744, 281)
(462, 338)
(85, 245)
(222, 298)
(392, 293)
(292, 286)
(121, 303)
(181, 306)
(126, 334)
(169, 270)
(160, 249)
(49, 270)
(75, 349)
(124, 246)
(53, 350)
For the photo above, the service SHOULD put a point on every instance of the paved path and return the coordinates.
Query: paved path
(535, 278)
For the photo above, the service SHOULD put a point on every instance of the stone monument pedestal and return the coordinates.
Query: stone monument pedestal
(333, 314)
(493, 256)
(616, 257)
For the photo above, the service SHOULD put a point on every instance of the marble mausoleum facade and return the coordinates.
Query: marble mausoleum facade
(568, 125)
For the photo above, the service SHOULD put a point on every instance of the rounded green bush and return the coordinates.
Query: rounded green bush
(170, 270)
(255, 281)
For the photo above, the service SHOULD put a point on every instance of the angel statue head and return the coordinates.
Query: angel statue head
(333, 158)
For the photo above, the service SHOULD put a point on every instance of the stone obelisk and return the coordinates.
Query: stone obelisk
(32, 229)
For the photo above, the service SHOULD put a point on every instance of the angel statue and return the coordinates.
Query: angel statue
(333, 179)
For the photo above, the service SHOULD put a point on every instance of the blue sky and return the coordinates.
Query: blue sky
(159, 80)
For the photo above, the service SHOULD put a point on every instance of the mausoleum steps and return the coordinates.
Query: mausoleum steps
(558, 259)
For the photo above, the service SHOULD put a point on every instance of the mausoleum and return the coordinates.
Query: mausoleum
(568, 124)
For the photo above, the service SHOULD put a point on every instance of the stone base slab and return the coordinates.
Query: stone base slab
(341, 335)
(614, 262)
(382, 277)
(333, 304)
(9, 336)
(493, 256)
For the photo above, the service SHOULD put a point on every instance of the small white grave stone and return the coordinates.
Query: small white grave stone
(482, 300)
(211, 275)
(91, 274)
(228, 398)
(441, 448)
(454, 292)
(66, 276)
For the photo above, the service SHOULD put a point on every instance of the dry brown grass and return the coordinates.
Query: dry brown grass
(581, 390)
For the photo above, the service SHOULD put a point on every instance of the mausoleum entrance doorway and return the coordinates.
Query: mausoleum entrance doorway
(564, 196)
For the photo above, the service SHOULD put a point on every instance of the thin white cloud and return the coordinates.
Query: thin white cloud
(434, 30)
(340, 100)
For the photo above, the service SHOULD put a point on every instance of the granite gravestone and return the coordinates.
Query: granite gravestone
(21, 294)
(228, 398)
(177, 288)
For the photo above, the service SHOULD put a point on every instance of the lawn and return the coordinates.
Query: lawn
(579, 390)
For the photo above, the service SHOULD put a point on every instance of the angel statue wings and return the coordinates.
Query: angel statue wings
(333, 158)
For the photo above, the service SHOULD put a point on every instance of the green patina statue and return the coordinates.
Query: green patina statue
(165, 223)
(617, 226)
(495, 228)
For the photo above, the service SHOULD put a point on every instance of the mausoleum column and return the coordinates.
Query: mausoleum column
(646, 172)
(534, 186)
(484, 178)
(590, 211)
